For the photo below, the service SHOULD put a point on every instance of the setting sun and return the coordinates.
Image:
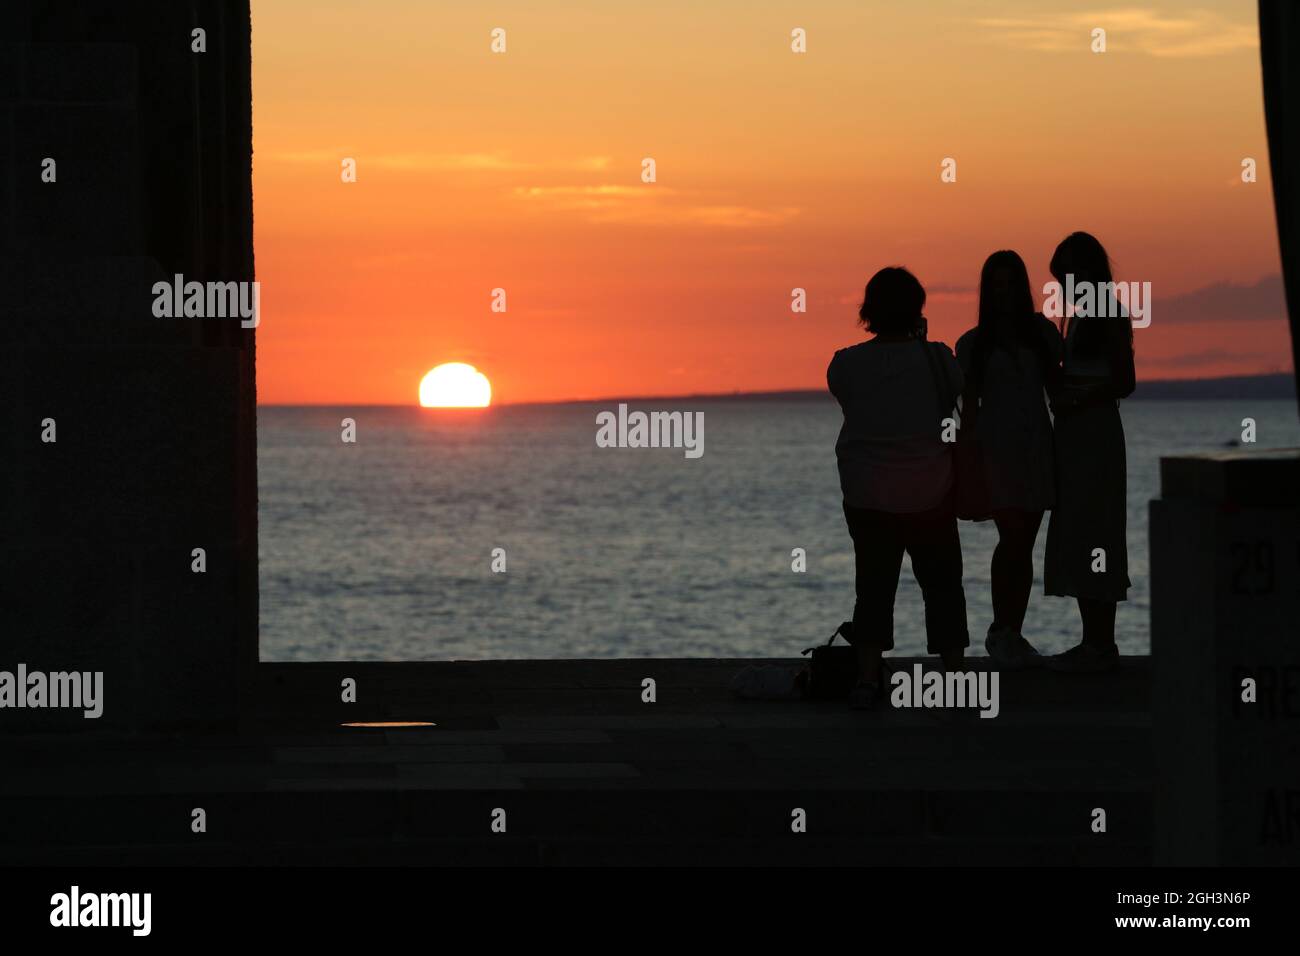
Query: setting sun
(455, 385)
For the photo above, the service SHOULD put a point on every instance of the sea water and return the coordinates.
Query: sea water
(384, 549)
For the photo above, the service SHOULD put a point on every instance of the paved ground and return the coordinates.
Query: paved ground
(586, 772)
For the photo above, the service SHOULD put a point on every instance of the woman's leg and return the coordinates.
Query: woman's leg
(869, 663)
(1097, 654)
(877, 561)
(1012, 572)
(934, 544)
(1090, 514)
(1098, 622)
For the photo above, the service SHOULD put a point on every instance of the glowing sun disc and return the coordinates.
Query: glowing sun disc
(455, 385)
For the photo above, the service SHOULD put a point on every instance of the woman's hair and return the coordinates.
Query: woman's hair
(1005, 259)
(1024, 317)
(892, 302)
(1081, 255)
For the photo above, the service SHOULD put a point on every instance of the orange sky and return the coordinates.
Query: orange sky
(775, 170)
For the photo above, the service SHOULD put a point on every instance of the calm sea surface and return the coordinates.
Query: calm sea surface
(382, 549)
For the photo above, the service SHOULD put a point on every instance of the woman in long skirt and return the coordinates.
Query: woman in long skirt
(1087, 547)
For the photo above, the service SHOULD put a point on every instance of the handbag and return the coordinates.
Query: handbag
(832, 669)
(971, 500)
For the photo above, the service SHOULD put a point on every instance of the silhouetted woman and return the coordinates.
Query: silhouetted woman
(896, 475)
(1087, 547)
(1009, 359)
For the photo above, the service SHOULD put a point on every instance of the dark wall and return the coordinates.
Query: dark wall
(155, 418)
(1279, 49)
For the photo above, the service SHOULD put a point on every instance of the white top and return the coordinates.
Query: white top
(891, 452)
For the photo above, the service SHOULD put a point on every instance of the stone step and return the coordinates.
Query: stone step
(502, 851)
(330, 817)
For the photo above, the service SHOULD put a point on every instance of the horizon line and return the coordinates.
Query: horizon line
(715, 396)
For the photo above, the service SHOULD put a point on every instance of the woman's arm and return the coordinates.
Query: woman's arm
(1118, 383)
(956, 372)
(1123, 373)
(965, 346)
(833, 378)
(1053, 375)
(1119, 355)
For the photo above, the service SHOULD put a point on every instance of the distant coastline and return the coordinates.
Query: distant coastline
(1280, 386)
(1277, 386)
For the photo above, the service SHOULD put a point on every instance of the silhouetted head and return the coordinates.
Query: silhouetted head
(893, 302)
(1006, 315)
(1080, 255)
(1005, 296)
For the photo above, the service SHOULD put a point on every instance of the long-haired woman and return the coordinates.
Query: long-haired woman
(1010, 358)
(1087, 547)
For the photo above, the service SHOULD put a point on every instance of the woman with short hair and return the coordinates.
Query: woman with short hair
(896, 474)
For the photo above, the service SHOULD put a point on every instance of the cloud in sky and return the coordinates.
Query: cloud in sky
(1187, 33)
(442, 162)
(652, 205)
(1264, 362)
(1225, 302)
(581, 194)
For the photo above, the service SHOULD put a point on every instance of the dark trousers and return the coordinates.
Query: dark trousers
(930, 539)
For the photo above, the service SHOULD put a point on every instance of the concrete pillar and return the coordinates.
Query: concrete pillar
(1225, 617)
(155, 451)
